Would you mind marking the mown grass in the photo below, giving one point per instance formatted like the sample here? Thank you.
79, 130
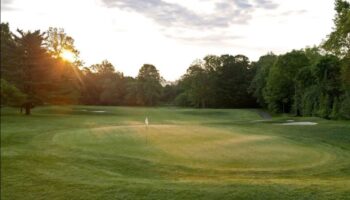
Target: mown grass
73, 152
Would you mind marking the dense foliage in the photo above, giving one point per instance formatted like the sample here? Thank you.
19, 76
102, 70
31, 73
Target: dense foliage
302, 84
28, 65
217, 82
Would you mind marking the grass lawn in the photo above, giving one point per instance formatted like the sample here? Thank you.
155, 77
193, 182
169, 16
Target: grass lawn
85, 152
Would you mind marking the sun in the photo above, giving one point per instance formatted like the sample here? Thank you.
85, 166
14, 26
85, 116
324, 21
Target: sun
68, 56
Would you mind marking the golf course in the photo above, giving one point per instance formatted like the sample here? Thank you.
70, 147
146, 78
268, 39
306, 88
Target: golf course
97, 152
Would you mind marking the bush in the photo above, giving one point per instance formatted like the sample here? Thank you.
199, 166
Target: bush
10, 95
182, 100
345, 108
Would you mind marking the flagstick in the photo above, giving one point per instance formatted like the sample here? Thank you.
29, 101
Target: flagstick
146, 122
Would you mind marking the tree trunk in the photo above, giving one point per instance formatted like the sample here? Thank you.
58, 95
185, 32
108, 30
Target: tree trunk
28, 106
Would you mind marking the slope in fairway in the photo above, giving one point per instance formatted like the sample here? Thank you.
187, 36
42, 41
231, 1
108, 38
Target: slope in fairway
79, 153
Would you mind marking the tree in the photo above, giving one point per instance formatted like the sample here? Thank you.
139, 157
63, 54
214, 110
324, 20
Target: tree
66, 81
149, 85
345, 104
90, 90
113, 89
217, 81
169, 93
338, 42
28, 65
328, 78
58, 42
258, 83
102, 85
234, 78
33, 69
306, 99
314, 54
10, 95
8, 52
196, 82
281, 88
132, 92
104, 69
212, 65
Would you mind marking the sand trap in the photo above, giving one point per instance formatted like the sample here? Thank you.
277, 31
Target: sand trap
298, 123
94, 111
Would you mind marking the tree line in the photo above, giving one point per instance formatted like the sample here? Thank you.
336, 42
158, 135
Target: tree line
308, 82
35, 72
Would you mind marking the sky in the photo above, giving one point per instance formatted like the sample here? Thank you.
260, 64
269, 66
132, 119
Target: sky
171, 34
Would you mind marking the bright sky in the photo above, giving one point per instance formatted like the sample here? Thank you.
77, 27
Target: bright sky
171, 34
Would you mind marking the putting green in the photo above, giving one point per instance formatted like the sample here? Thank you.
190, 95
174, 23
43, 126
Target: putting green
196, 147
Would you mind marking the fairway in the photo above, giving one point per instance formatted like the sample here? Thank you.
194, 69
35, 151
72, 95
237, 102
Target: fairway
87, 152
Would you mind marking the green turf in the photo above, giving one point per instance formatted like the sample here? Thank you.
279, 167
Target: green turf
75, 153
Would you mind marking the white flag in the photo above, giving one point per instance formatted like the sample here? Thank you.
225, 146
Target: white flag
146, 121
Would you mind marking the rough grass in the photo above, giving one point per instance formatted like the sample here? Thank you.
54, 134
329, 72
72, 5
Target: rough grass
73, 153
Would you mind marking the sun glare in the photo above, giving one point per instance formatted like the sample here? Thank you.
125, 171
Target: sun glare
68, 55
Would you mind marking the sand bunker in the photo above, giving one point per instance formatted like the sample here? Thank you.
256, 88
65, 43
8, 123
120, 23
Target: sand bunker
298, 123
94, 111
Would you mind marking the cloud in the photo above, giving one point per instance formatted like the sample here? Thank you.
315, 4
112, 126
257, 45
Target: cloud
6, 5
243, 4
266, 4
167, 14
192, 25
211, 39
293, 12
